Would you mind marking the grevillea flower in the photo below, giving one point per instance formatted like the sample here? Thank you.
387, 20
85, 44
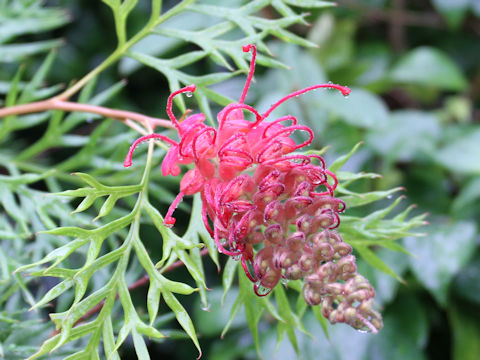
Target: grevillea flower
270, 208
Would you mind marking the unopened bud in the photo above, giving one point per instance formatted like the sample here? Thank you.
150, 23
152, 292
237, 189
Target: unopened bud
294, 272
296, 241
311, 295
274, 234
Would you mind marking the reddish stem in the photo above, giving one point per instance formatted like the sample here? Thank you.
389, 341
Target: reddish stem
128, 158
189, 88
247, 48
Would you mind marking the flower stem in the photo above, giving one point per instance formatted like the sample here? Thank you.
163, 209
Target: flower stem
55, 104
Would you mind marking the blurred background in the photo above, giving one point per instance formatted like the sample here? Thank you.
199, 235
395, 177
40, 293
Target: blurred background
414, 70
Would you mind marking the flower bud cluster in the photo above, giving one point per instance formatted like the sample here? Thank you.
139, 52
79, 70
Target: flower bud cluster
265, 205
278, 208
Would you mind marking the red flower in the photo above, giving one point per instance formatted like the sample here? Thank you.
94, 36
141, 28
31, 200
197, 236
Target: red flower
256, 190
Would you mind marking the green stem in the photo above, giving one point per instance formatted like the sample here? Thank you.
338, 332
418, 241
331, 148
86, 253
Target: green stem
122, 49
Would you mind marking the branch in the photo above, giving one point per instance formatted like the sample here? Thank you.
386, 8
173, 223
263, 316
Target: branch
140, 282
55, 104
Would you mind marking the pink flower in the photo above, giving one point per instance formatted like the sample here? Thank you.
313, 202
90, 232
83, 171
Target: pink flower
256, 190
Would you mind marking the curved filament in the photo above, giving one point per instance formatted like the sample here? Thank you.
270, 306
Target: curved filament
280, 119
247, 48
197, 136
343, 89
128, 158
186, 138
247, 270
220, 246
205, 220
292, 129
334, 177
305, 160
189, 88
248, 159
229, 108
319, 158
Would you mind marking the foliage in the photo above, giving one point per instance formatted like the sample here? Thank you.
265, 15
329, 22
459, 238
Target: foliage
73, 242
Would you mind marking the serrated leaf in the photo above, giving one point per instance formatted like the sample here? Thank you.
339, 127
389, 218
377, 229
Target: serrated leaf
369, 197
228, 276
15, 52
182, 317
341, 160
54, 292
370, 257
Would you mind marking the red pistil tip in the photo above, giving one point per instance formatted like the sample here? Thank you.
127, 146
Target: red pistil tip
169, 221
127, 163
191, 88
345, 90
247, 48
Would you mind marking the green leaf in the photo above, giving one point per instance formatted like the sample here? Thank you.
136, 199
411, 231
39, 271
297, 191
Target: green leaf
429, 67
15, 52
310, 3
441, 254
341, 160
466, 332
454, 11
408, 316
408, 135
32, 23
467, 283
182, 317
370, 257
369, 197
317, 311
228, 276
461, 155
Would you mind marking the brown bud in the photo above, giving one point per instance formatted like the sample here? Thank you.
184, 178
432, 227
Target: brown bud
342, 249
255, 236
311, 295
284, 258
294, 272
334, 288
323, 252
270, 278
303, 189
304, 223
306, 262
296, 241
346, 265
274, 211
274, 234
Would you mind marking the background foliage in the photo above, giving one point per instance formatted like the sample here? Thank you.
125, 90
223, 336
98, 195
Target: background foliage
413, 69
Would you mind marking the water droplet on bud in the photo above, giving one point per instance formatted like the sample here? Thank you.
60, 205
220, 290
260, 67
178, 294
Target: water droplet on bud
262, 290
189, 94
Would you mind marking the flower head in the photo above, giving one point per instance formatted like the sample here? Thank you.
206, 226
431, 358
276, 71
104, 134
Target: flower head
256, 191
